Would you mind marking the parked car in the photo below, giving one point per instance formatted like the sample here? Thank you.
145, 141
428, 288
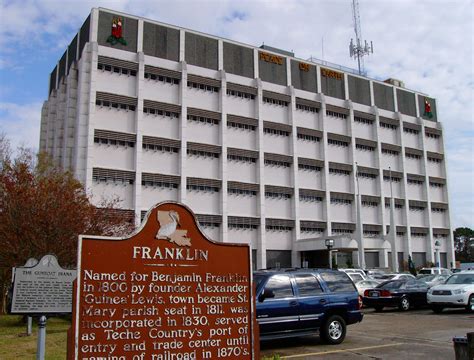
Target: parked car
349, 271
405, 277
366, 284
396, 293
435, 270
457, 291
301, 302
432, 280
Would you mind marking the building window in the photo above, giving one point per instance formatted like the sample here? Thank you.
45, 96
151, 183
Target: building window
308, 137
390, 152
203, 87
338, 143
397, 206
418, 234
432, 136
114, 142
241, 158
307, 108
309, 167
339, 172
207, 224
363, 120
435, 160
203, 120
202, 153
310, 198
337, 201
366, 175
311, 230
279, 196
416, 208
370, 203
244, 192
115, 105
400, 233
436, 185
151, 111
116, 70
243, 226
336, 114
371, 233
277, 163
438, 210
415, 182
162, 78
410, 131
388, 126
163, 148
240, 94
204, 188
275, 101
276, 132
342, 231
394, 179
114, 179
241, 126
278, 228
160, 184
412, 156
365, 147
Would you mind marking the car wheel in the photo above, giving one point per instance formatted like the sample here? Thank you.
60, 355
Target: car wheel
378, 308
470, 303
334, 330
437, 309
404, 304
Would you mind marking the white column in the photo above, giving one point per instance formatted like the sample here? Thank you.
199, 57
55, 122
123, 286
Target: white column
325, 170
223, 158
183, 86
295, 256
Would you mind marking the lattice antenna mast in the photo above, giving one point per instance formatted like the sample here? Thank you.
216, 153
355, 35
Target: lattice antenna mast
358, 50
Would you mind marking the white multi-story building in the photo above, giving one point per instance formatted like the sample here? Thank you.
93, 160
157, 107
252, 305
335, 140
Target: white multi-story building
265, 148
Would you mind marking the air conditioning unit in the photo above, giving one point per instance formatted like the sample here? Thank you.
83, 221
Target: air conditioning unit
395, 82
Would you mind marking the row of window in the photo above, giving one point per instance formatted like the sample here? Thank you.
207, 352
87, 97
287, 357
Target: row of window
202, 153
308, 137
207, 88
169, 114
273, 195
241, 126
337, 201
432, 136
115, 180
363, 120
338, 143
412, 156
163, 148
371, 233
397, 206
277, 163
387, 126
390, 152
160, 184
204, 188
307, 108
116, 69
336, 114
339, 172
241, 158
162, 78
416, 208
274, 101
115, 105
278, 228
410, 131
240, 94
312, 230
370, 203
203, 119
367, 175
276, 132
309, 167
415, 182
310, 198
104, 141
243, 226
365, 147
435, 160
242, 192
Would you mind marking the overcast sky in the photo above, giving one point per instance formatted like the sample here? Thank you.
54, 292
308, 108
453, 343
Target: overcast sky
428, 44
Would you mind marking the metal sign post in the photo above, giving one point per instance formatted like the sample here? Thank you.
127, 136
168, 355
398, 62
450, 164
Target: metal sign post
29, 326
41, 338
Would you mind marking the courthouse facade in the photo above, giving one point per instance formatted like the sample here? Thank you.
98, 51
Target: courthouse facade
267, 149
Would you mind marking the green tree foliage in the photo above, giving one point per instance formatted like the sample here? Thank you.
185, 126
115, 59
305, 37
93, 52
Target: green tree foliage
43, 209
464, 244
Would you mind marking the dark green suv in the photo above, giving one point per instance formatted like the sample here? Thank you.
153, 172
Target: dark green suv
299, 302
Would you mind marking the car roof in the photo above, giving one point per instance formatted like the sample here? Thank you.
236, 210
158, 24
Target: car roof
292, 270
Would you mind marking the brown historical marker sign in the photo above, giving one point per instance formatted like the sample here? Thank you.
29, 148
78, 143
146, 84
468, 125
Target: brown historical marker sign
165, 293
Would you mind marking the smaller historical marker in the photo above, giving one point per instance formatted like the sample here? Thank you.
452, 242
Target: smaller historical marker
45, 288
166, 292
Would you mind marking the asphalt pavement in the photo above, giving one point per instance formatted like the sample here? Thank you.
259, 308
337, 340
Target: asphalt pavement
390, 334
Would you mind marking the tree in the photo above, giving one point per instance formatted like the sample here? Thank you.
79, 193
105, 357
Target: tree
464, 244
43, 209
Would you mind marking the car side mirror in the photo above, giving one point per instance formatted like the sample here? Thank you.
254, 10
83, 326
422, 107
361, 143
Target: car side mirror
266, 294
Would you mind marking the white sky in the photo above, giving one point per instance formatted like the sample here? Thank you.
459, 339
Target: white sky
428, 44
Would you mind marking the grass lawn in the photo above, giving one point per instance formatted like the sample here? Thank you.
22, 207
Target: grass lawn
14, 345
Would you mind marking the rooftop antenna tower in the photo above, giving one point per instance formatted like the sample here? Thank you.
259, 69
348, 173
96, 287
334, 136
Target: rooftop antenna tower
359, 49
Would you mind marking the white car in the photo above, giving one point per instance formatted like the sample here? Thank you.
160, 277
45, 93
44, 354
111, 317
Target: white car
366, 284
457, 291
406, 277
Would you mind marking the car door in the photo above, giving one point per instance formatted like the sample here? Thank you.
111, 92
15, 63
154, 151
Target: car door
312, 301
277, 305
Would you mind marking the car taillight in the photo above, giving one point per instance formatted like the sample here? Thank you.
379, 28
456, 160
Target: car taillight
360, 302
385, 293
366, 293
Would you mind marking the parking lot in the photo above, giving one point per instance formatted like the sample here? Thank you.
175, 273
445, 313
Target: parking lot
390, 334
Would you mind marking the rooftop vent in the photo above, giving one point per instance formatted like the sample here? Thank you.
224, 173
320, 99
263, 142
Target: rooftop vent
279, 51
395, 82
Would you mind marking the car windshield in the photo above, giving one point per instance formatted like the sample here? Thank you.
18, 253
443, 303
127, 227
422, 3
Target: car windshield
461, 279
257, 278
391, 285
355, 277
428, 278
425, 271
